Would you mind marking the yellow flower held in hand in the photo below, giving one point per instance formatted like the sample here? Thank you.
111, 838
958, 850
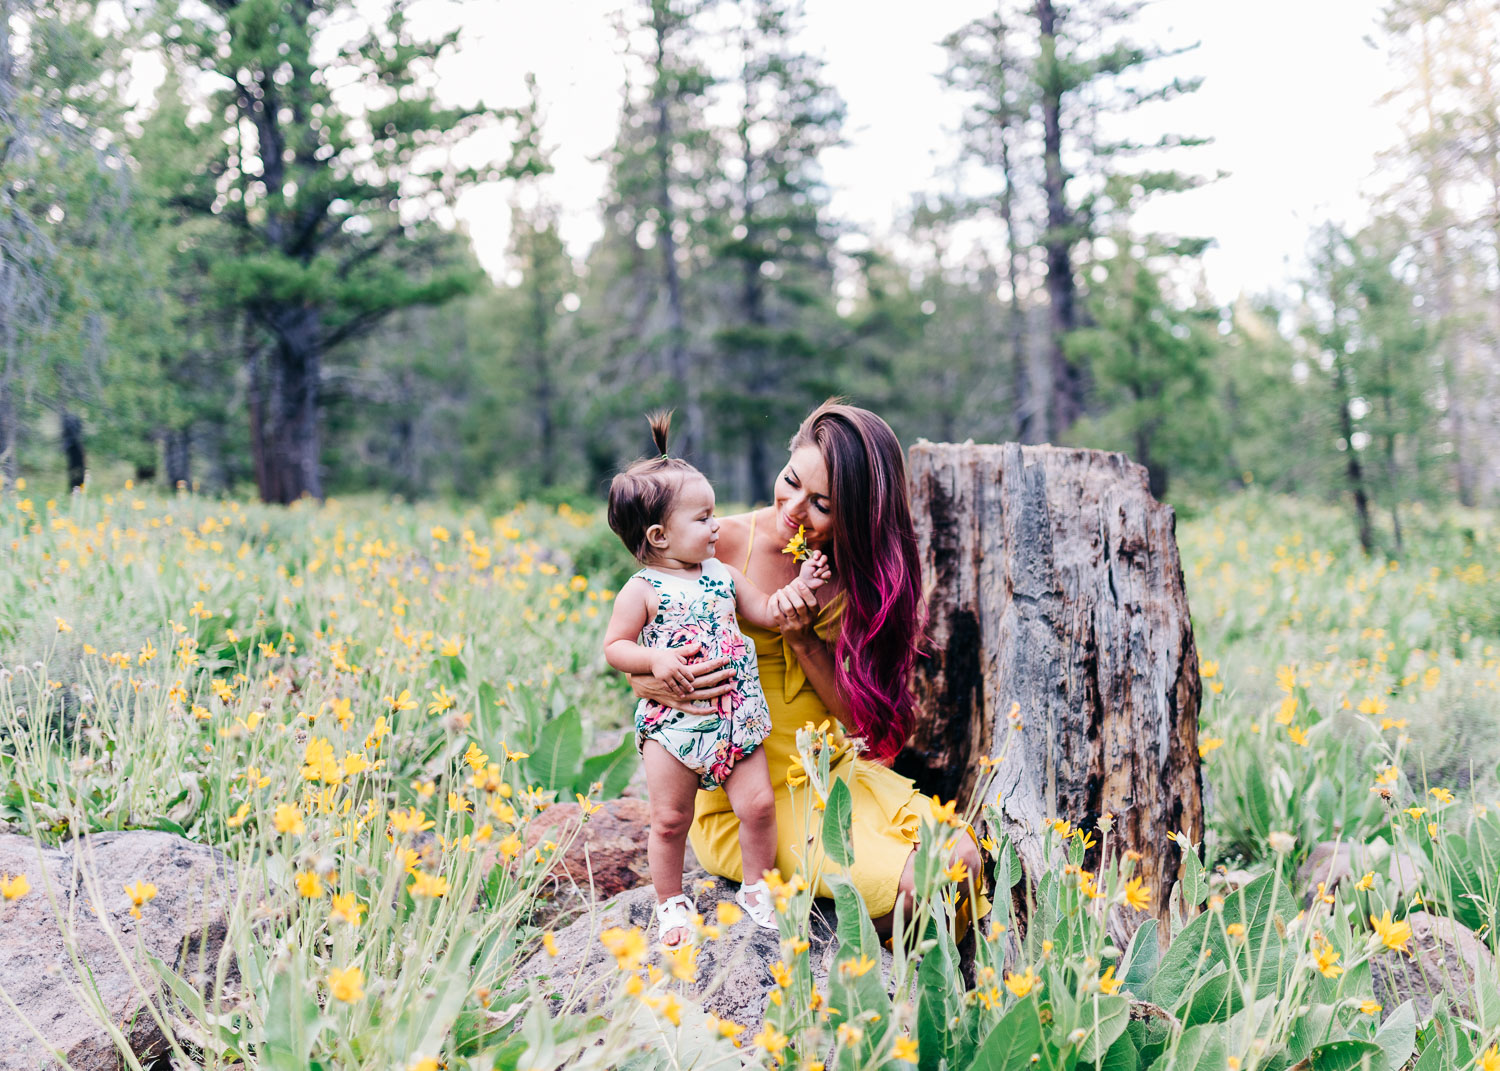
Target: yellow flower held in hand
797, 546
347, 985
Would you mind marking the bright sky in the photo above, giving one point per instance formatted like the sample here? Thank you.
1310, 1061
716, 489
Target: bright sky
1290, 97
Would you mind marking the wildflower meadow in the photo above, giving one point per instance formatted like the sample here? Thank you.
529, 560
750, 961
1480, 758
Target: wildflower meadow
365, 705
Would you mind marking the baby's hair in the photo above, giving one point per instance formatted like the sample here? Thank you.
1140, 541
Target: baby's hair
643, 494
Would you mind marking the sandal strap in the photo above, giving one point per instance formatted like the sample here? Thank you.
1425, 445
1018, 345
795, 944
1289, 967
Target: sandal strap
675, 910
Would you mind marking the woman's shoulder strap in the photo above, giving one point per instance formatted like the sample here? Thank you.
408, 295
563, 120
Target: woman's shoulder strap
750, 543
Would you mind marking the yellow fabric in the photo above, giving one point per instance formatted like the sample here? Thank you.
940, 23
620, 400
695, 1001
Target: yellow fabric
887, 807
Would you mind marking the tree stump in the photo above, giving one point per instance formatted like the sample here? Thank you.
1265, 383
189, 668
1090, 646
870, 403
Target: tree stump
1053, 581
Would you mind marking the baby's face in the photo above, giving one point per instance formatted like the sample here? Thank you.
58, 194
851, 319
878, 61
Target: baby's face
692, 529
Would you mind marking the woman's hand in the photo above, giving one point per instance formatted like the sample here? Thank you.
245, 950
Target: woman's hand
794, 609
711, 679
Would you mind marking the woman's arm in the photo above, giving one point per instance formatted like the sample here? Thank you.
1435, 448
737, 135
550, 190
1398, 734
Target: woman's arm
795, 613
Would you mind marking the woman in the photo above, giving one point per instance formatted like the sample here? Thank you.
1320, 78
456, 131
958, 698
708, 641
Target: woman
844, 487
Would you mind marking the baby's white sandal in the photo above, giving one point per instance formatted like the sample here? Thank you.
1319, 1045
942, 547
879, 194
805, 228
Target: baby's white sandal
761, 910
674, 913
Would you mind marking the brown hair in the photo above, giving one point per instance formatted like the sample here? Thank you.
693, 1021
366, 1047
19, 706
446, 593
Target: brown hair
875, 555
643, 494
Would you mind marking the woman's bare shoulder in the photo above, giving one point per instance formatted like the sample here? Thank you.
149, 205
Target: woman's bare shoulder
734, 538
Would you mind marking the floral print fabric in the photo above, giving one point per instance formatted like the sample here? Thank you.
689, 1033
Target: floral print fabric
701, 609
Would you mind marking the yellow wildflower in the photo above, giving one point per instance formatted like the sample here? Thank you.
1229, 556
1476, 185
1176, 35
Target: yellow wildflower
346, 909
627, 946
1137, 894
309, 884
1021, 984
139, 893
288, 819
1392, 934
13, 888
346, 985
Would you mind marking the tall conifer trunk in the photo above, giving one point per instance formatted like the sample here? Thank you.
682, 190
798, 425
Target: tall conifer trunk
72, 444
1062, 316
292, 440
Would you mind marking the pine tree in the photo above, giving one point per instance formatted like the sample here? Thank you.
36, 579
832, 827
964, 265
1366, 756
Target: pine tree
1063, 71
778, 302
333, 200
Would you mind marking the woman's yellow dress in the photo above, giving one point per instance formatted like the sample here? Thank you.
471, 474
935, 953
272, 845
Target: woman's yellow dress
887, 809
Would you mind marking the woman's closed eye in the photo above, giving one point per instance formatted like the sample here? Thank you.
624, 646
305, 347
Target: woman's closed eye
820, 507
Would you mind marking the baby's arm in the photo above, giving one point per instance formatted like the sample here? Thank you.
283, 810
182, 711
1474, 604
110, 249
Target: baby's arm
622, 649
754, 605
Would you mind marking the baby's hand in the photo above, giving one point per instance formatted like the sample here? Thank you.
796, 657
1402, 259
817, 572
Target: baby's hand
670, 668
815, 571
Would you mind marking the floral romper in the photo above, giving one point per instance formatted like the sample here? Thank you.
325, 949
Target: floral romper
702, 609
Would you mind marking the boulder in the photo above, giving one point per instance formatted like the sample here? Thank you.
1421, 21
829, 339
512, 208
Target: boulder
1443, 957
606, 857
1330, 862
733, 970
185, 920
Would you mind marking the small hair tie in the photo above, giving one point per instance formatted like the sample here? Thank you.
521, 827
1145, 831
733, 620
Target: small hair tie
664, 457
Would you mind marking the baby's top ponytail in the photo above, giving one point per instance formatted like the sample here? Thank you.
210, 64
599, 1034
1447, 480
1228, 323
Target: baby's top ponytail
661, 427
643, 494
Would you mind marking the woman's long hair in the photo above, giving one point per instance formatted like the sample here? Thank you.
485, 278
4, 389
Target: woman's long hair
875, 555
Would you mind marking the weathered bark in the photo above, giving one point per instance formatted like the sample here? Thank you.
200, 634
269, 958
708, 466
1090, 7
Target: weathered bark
72, 444
1352, 467
1053, 581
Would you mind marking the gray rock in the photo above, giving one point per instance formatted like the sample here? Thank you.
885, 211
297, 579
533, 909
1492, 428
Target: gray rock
1333, 861
1446, 957
186, 919
733, 970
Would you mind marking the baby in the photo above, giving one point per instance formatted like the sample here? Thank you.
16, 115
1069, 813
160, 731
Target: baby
662, 508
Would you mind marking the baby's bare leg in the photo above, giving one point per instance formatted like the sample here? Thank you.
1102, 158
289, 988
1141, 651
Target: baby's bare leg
749, 789
672, 789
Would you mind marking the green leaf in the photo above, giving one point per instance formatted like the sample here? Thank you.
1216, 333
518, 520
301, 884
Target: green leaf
1194, 884
1012, 1042
1344, 1056
937, 1001
557, 756
1397, 1037
837, 844
1214, 1000
1141, 960
1105, 1018
1201, 1048
1257, 800
1122, 1056
612, 770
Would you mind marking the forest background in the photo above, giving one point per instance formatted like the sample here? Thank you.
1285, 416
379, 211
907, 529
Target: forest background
255, 275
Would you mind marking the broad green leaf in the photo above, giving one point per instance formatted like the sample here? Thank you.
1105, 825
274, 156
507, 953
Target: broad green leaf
1397, 1037
556, 758
1141, 959
837, 844
1122, 1056
1344, 1056
1105, 1018
613, 769
1201, 1048
1194, 884
937, 1000
1012, 1042
1213, 1000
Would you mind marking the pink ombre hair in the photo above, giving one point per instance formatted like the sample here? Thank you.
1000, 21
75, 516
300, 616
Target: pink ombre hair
874, 553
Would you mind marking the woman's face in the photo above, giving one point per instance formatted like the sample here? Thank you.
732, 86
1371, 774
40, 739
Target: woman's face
802, 497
